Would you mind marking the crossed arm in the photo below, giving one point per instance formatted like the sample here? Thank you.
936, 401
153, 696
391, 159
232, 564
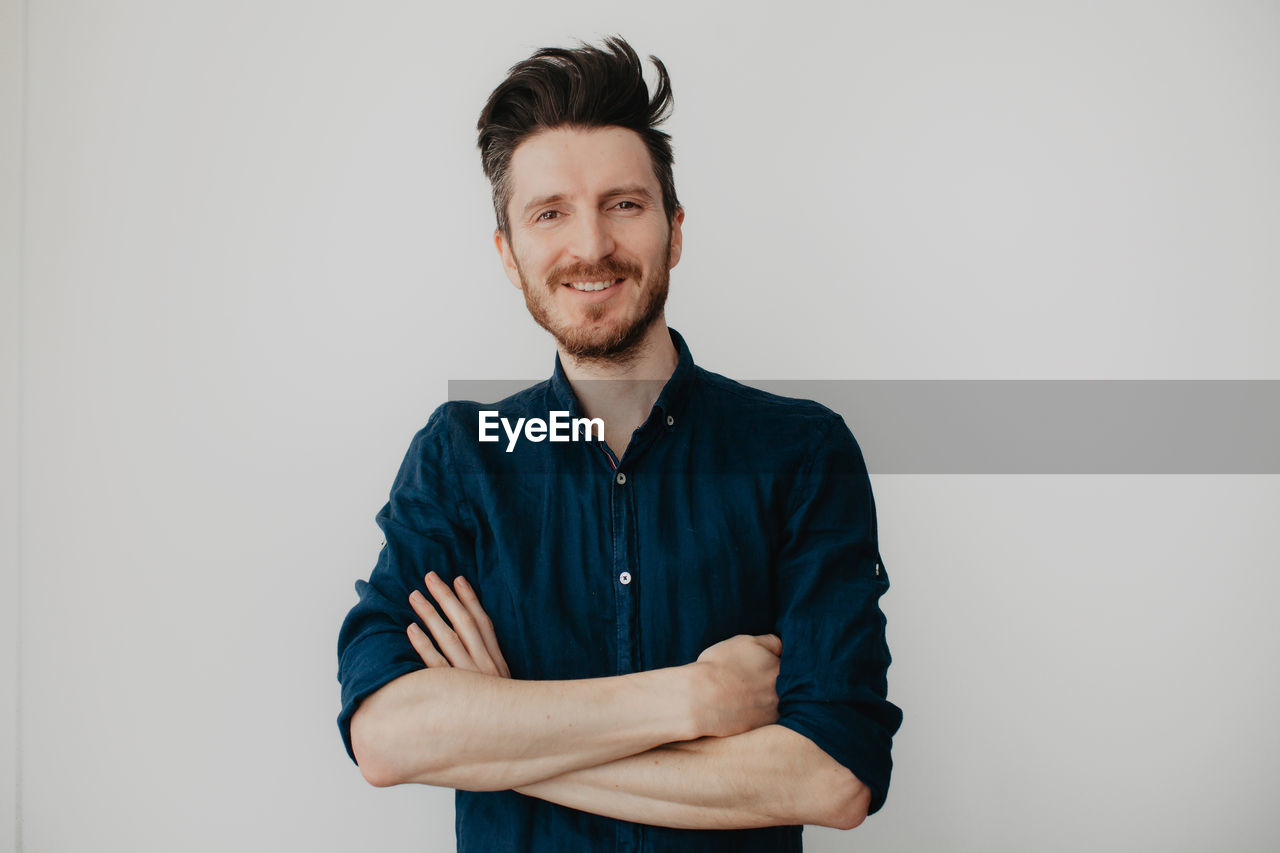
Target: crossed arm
760, 774
770, 776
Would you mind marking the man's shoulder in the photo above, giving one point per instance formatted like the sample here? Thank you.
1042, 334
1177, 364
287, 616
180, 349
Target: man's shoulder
780, 431
761, 408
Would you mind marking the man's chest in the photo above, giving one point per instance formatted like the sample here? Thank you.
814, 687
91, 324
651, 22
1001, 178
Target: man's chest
599, 575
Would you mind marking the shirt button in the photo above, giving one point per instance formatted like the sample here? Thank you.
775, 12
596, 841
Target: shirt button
622, 479
624, 578
671, 421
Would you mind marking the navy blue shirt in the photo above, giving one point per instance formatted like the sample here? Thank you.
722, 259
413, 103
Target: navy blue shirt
732, 511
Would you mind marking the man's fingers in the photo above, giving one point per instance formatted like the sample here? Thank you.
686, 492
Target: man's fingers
468, 597
422, 645
772, 642
463, 623
444, 636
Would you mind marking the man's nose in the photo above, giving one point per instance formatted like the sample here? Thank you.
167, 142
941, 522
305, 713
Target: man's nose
591, 239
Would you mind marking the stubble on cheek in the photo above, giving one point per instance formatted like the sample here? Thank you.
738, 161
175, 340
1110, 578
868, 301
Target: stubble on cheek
586, 336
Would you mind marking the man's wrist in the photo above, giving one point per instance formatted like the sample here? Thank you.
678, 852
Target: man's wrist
678, 693
693, 688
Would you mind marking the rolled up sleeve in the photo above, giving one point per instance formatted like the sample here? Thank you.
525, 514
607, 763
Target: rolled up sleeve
424, 531
832, 686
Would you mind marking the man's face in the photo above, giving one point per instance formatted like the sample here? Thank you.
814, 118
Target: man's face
590, 244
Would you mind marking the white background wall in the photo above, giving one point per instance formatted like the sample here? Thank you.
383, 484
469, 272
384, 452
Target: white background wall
254, 244
11, 61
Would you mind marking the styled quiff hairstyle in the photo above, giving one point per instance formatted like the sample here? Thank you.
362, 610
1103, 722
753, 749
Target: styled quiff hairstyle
581, 88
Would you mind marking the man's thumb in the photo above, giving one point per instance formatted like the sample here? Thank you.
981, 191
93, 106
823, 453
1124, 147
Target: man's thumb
772, 642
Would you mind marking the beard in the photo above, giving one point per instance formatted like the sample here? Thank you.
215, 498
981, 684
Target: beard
593, 340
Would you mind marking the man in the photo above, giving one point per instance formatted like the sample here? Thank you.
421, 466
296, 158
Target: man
668, 639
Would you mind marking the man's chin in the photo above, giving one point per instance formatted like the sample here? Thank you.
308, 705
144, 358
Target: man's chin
592, 347
602, 343
603, 333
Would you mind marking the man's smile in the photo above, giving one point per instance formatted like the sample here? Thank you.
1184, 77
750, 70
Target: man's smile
591, 286
592, 292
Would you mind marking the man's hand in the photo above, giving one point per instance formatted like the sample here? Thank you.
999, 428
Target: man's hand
739, 688
470, 644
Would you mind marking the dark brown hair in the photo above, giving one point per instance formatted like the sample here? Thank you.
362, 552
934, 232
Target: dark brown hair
582, 87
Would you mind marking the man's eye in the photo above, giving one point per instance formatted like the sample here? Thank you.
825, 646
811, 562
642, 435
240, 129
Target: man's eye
632, 203
548, 215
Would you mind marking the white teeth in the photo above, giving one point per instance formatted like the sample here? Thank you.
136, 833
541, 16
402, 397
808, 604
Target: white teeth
589, 286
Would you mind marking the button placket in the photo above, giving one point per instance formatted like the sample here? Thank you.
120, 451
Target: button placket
624, 567
624, 578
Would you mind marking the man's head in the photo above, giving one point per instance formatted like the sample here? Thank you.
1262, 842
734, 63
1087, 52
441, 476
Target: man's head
584, 195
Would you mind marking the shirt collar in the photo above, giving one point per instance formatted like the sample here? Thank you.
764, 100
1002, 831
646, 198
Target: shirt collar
672, 399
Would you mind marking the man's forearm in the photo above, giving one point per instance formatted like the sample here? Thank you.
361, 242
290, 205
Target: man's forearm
770, 776
463, 729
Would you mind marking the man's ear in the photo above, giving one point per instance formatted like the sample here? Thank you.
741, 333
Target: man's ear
503, 246
677, 238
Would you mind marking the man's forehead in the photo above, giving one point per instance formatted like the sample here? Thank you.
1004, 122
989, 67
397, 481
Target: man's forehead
571, 161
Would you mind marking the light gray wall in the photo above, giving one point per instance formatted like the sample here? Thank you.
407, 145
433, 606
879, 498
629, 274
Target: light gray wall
257, 245
11, 105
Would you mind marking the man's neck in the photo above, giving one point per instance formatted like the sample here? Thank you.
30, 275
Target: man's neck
623, 394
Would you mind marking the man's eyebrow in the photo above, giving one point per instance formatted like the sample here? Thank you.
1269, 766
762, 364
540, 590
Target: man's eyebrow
541, 200
637, 190
633, 189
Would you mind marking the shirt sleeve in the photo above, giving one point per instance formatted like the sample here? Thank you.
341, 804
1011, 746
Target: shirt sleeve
832, 683
423, 529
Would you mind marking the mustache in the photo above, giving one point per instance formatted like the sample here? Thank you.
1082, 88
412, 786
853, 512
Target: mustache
606, 270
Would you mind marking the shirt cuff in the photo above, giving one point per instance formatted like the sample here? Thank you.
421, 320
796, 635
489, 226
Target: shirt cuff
367, 665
